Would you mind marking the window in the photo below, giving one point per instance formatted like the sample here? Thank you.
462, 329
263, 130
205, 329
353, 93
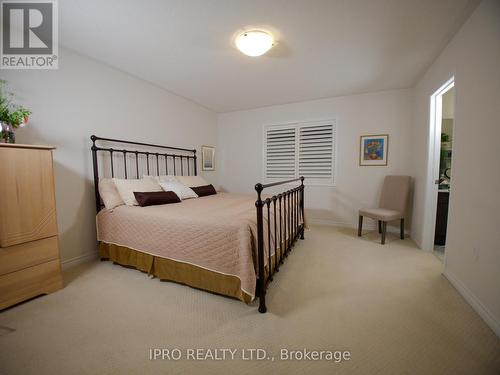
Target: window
301, 149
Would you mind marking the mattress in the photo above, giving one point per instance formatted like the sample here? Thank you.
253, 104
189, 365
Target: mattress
217, 233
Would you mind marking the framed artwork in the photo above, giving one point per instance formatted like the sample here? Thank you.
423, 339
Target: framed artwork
373, 149
207, 158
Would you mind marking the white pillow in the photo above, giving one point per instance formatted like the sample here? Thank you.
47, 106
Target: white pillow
181, 190
167, 178
109, 194
161, 178
126, 188
192, 181
154, 178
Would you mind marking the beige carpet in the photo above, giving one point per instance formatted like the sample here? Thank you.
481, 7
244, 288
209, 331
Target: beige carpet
388, 305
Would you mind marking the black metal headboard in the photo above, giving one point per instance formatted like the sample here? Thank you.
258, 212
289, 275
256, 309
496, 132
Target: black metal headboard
133, 163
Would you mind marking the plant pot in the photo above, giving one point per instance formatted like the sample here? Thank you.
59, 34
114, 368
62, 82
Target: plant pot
7, 134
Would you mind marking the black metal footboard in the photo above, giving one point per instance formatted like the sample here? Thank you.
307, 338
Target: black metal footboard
284, 214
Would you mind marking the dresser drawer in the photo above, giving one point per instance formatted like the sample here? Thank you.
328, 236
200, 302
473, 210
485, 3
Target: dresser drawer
18, 257
30, 282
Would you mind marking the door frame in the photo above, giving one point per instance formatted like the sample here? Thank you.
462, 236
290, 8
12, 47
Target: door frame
434, 149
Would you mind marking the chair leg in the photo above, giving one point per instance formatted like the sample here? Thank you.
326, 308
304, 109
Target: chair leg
402, 229
360, 225
384, 229
379, 226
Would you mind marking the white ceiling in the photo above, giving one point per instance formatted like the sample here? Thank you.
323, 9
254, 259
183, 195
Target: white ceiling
326, 48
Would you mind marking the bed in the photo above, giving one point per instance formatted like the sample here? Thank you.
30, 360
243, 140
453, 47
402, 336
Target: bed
230, 244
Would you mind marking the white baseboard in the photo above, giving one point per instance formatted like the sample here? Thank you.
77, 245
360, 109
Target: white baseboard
79, 259
482, 311
332, 223
344, 224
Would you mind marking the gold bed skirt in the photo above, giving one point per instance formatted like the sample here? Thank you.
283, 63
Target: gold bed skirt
171, 270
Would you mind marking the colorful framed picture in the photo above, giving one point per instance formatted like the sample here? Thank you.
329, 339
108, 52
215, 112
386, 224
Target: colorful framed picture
373, 149
207, 158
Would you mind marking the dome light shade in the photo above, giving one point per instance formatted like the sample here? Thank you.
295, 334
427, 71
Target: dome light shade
254, 43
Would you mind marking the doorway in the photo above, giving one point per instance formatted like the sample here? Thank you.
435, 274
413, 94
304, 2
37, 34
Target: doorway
442, 115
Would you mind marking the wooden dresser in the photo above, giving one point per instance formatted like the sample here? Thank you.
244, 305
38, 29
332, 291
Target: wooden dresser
29, 246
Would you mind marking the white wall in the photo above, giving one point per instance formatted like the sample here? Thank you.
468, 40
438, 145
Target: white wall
448, 104
473, 239
239, 141
85, 97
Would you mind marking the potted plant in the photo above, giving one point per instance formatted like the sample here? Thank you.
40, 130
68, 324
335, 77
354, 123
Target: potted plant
445, 141
12, 116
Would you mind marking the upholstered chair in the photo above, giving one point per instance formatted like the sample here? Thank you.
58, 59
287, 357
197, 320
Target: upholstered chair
392, 206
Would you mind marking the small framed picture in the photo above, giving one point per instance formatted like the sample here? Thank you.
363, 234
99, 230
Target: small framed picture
373, 149
207, 158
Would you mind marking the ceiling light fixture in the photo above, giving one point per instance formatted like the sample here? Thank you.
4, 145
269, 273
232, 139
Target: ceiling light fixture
255, 42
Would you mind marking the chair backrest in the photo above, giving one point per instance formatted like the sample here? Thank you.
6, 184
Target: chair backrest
395, 193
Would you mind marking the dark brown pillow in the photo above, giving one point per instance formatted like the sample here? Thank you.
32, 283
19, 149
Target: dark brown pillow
203, 191
152, 198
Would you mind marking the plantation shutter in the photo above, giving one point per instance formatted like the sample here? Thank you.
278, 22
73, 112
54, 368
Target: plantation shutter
280, 153
316, 151
303, 149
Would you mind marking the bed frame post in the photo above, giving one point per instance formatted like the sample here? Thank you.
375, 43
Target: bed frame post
260, 250
301, 204
96, 174
195, 163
